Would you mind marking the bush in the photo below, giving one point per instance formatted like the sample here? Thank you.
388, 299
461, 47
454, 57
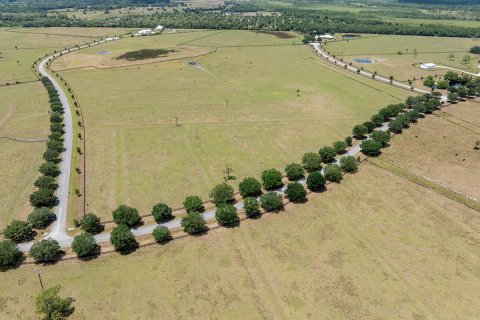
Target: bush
452, 97
52, 306
382, 137
369, 125
91, 223
370, 147
19, 231
49, 169
251, 207
316, 181
161, 212
395, 126
359, 131
46, 182
162, 234
10, 255
339, 146
333, 173
348, 141
84, 245
55, 145
41, 218
271, 179
327, 154
221, 194
194, 223
43, 198
250, 187
312, 161
226, 215
271, 201
51, 155
123, 239
349, 164
193, 204
294, 171
46, 250
127, 216
295, 192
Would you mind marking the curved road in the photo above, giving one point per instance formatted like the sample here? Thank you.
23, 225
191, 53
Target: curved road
58, 231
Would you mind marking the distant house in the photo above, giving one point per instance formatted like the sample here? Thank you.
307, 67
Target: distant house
144, 32
326, 36
159, 28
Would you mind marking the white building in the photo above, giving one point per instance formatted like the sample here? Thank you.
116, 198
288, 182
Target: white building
326, 36
159, 28
144, 32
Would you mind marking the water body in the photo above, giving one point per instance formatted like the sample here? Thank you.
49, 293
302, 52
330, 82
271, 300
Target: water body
351, 36
104, 52
363, 60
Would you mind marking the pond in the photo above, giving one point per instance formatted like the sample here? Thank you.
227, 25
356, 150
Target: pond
350, 36
363, 60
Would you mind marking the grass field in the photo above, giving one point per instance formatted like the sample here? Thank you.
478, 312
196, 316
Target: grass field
384, 50
137, 155
23, 114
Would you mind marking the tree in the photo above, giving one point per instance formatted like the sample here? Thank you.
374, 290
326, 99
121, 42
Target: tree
383, 137
339, 146
370, 147
250, 187
194, 223
452, 97
52, 306
410, 101
193, 204
161, 213
10, 254
271, 179
251, 207
221, 194
294, 171
84, 245
46, 250
377, 119
226, 215
46, 182
369, 125
56, 117
429, 82
349, 163
312, 161
127, 216
43, 198
348, 141
91, 223
442, 84
57, 127
162, 234
475, 49
359, 131
333, 173
51, 155
19, 231
395, 126
328, 154
55, 145
49, 169
41, 218
295, 192
316, 181
451, 77
271, 201
123, 239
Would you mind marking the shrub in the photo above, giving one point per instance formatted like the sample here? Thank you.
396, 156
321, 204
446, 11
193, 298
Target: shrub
359, 131
339, 146
251, 207
51, 155
46, 250
452, 97
84, 245
328, 154
395, 126
271, 201
10, 255
221, 194
316, 181
193, 204
43, 198
91, 223
123, 239
55, 145
382, 137
194, 223
348, 141
127, 216
333, 173
52, 306
250, 187
226, 215
349, 164
312, 161
294, 171
19, 231
41, 218
370, 147
161, 212
295, 192
162, 234
49, 169
271, 179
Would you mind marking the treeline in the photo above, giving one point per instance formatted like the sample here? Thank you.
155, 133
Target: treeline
443, 2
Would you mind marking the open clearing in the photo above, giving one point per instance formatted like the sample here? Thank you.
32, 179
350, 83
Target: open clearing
137, 155
385, 49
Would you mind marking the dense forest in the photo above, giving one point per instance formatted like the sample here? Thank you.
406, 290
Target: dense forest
13, 6
446, 2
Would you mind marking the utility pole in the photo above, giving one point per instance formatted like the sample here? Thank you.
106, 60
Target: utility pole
40, 279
